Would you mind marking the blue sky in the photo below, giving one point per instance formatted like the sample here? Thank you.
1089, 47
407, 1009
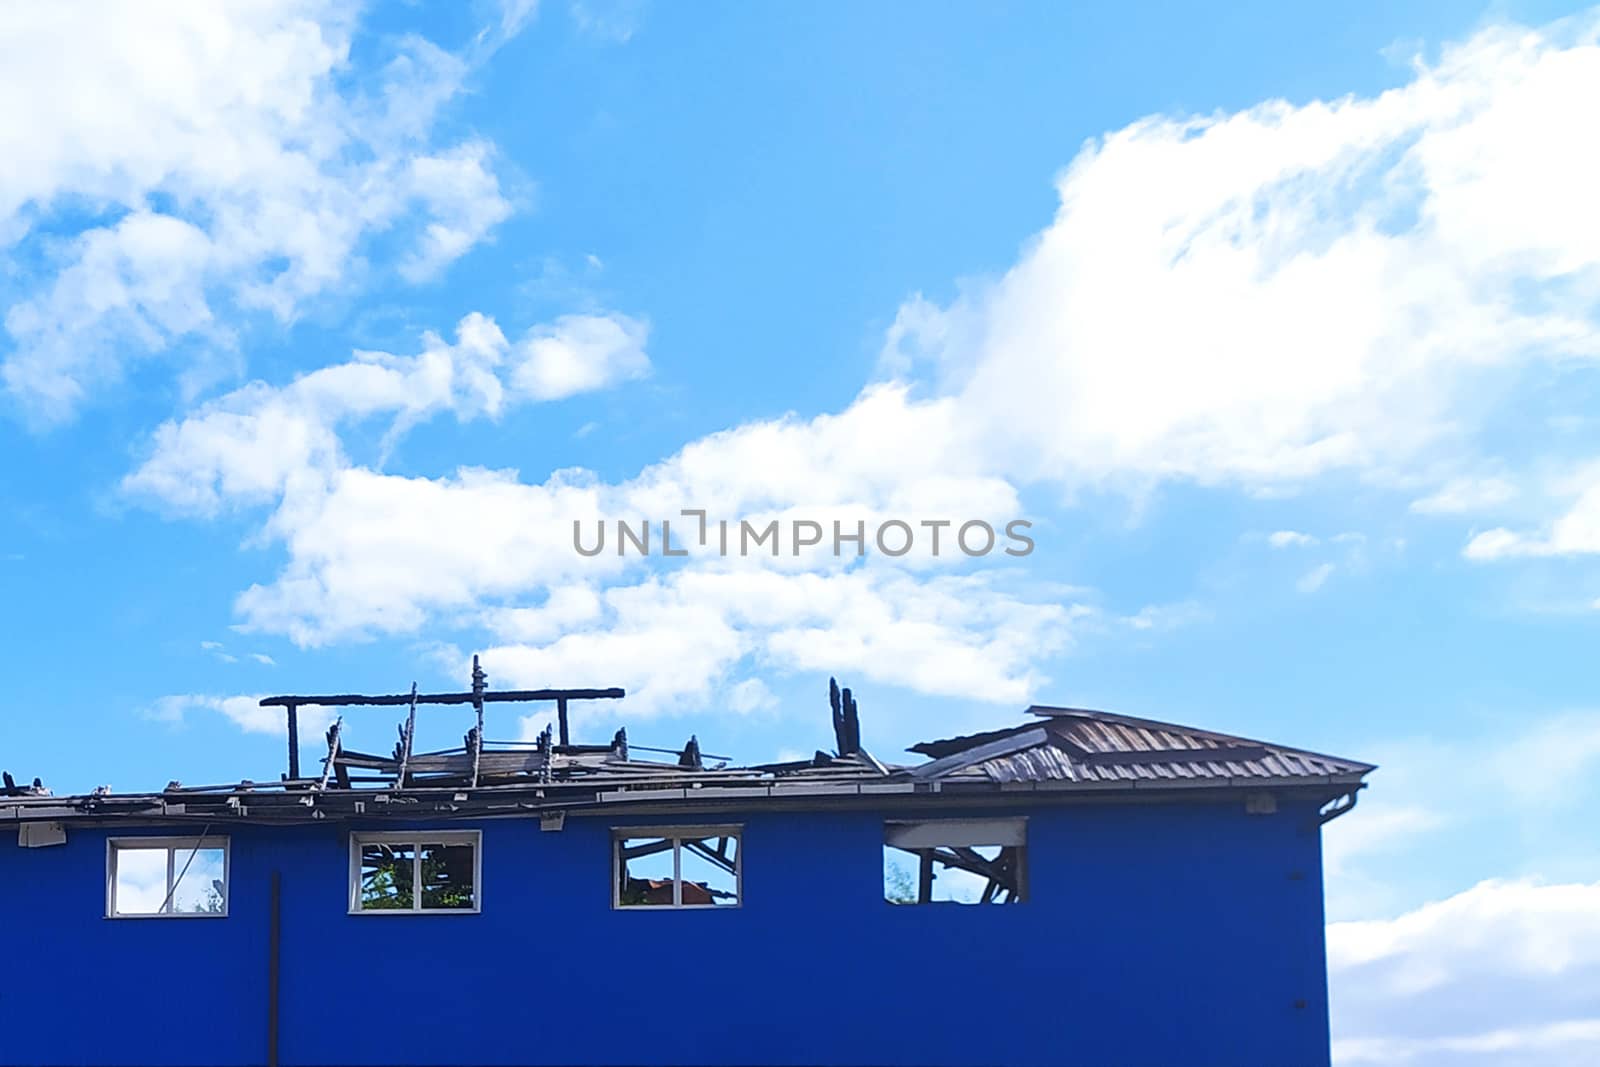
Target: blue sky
1280, 325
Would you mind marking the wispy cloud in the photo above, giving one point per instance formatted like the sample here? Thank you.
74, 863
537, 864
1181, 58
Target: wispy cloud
615, 21
245, 712
1314, 579
1290, 539
1466, 495
238, 164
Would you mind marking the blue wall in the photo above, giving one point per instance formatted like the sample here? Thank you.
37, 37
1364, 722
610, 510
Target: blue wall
1157, 935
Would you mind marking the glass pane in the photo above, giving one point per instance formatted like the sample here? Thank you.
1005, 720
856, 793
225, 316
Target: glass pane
386, 875
141, 881
199, 890
447, 876
644, 871
707, 866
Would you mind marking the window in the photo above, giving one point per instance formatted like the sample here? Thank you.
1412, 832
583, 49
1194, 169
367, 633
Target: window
962, 861
166, 877
430, 873
677, 867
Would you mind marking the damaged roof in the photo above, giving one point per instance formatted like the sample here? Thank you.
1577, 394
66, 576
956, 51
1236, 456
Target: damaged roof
1061, 752
1080, 745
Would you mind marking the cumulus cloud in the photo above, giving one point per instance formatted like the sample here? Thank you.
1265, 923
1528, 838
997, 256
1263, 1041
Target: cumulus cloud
207, 164
1257, 298
1574, 533
1525, 955
677, 637
1248, 299
260, 443
580, 353
361, 565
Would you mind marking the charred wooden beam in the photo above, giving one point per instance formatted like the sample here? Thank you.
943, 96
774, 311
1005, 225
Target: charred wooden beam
333, 755
546, 745
480, 682
397, 699
12, 789
294, 740
402, 751
846, 719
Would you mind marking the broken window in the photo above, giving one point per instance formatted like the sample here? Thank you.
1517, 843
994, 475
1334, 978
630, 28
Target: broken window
962, 861
410, 873
677, 868
167, 876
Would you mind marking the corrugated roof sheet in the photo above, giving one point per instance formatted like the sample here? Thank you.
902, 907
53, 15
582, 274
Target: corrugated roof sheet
1080, 745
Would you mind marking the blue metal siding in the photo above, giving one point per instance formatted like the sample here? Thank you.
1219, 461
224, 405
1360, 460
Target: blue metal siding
1153, 935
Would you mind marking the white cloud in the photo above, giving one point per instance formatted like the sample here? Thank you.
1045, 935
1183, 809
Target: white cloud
360, 563
1246, 299
516, 14
1577, 532
1525, 955
1375, 832
1465, 495
581, 353
1167, 616
209, 163
259, 442
245, 712
1564, 748
1521, 778
615, 21
673, 639
463, 198
368, 554
1314, 579
1290, 539
1259, 297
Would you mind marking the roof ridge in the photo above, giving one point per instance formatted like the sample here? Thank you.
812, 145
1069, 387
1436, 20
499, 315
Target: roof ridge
1053, 712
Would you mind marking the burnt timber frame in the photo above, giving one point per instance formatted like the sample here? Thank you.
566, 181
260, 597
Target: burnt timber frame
478, 696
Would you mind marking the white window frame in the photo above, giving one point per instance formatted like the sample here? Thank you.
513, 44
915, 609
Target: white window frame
417, 838
177, 849
677, 835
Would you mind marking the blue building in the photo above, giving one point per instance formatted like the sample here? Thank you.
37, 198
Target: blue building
1141, 894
